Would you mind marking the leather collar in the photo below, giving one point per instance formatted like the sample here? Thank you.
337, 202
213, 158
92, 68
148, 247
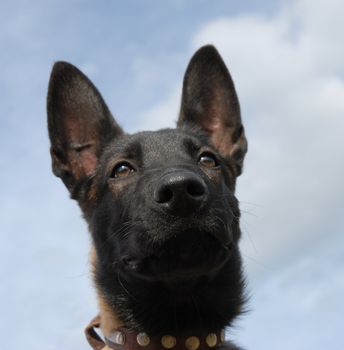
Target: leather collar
125, 339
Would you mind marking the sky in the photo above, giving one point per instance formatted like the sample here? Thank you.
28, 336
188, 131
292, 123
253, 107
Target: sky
286, 59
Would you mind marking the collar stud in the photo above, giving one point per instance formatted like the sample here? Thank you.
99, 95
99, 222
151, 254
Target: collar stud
168, 341
143, 339
211, 340
116, 337
192, 343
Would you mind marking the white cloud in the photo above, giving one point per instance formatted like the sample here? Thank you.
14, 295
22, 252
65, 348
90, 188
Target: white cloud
299, 306
163, 115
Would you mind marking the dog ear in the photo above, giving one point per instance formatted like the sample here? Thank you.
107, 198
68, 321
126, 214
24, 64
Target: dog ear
210, 101
79, 122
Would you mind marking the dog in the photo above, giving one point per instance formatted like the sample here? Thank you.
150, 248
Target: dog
160, 207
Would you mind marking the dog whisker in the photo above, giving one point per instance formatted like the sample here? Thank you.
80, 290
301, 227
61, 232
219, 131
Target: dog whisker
124, 288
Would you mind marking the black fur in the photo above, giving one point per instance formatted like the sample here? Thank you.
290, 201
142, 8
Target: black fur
166, 232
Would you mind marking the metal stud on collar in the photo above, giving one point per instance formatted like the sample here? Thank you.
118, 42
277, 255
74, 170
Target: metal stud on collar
223, 335
168, 341
116, 337
143, 339
211, 340
192, 343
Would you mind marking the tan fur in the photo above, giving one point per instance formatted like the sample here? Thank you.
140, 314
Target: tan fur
109, 321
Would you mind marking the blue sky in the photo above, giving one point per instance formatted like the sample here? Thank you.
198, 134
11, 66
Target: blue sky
286, 58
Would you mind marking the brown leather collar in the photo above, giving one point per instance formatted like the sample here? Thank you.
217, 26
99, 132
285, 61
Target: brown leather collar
124, 339
92, 336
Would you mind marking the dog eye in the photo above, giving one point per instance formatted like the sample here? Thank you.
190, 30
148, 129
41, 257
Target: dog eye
208, 160
122, 169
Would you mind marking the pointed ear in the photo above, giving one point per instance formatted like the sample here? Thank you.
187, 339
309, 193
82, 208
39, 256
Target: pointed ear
209, 100
79, 122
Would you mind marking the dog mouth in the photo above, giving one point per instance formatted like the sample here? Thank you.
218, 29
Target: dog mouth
183, 258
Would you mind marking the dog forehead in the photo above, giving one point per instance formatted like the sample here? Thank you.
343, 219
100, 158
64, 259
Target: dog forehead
165, 144
161, 142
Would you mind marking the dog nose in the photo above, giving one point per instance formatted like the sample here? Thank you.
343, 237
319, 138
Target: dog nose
181, 192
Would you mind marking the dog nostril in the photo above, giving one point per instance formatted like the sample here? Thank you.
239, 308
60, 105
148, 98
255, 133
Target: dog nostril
165, 195
195, 189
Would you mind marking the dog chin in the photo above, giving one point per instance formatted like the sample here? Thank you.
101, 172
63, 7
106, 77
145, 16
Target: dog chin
182, 260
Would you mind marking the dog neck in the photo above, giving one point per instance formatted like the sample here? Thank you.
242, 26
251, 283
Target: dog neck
119, 335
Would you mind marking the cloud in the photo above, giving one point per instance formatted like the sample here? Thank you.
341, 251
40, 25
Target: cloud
300, 305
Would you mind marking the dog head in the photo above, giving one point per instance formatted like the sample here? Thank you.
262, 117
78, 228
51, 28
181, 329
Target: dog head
160, 204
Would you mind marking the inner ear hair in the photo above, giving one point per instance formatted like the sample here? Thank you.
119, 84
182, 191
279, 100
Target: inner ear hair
80, 124
209, 100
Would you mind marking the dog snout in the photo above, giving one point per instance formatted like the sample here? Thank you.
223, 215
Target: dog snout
180, 192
